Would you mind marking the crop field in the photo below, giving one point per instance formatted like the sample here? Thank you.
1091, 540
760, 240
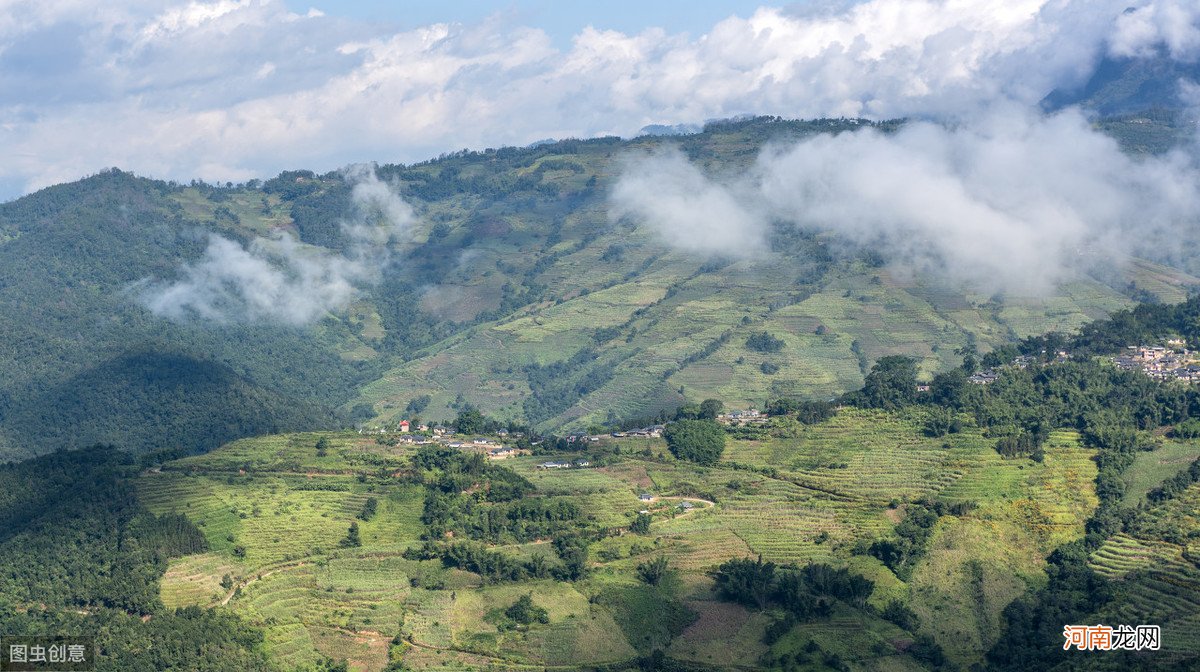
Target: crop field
1152, 567
665, 322
274, 514
1152, 468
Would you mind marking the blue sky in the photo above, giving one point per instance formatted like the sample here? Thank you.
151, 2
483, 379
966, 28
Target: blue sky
562, 20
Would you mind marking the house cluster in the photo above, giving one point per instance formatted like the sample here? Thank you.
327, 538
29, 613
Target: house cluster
750, 416
577, 464
648, 498
1170, 362
985, 377
989, 376
653, 431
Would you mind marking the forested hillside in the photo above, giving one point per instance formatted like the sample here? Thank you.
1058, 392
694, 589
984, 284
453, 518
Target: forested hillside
513, 291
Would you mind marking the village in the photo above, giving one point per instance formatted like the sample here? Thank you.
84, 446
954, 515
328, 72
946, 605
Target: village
1170, 362
991, 375
506, 444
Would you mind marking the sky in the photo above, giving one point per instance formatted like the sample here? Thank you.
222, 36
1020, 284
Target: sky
560, 20
229, 90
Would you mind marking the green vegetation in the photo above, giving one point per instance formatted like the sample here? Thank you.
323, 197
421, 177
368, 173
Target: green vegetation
762, 341
525, 612
700, 441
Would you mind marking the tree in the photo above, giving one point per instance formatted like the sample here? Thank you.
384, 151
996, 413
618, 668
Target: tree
940, 422
782, 406
711, 408
322, 447
653, 571
641, 524
699, 441
525, 612
352, 540
949, 389
747, 581
891, 384
469, 421
418, 404
814, 412
369, 507
762, 341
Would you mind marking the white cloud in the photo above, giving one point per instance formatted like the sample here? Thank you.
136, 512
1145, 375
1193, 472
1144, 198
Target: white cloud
685, 208
1009, 200
229, 89
278, 279
1142, 31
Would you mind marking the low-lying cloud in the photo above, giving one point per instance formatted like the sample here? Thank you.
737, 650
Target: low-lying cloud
279, 279
686, 208
1011, 200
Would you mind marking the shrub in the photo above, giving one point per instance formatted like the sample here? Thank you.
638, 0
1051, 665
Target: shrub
762, 341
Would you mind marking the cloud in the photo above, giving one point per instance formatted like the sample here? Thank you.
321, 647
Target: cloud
685, 208
1010, 200
230, 90
280, 280
1162, 25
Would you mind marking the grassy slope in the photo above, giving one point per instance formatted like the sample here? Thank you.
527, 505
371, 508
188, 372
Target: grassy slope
289, 509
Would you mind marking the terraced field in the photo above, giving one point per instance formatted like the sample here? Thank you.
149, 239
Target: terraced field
274, 514
1152, 468
679, 328
1155, 574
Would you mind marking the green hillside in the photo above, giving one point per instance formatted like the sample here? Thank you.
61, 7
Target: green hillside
514, 292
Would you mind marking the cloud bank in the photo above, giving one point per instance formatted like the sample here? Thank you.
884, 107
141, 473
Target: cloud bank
1011, 200
687, 209
228, 90
280, 280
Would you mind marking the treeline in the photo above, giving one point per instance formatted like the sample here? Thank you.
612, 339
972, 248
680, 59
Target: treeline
901, 553
556, 387
76, 334
806, 594
82, 539
159, 400
497, 567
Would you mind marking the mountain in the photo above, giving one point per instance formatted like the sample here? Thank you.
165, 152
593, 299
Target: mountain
1123, 86
1139, 101
513, 292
